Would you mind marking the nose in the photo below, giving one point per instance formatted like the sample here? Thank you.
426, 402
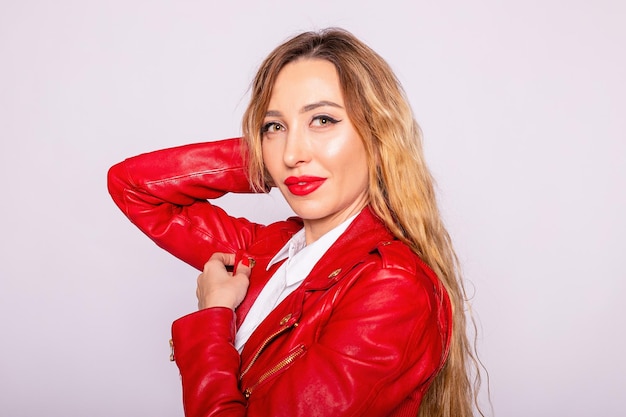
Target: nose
296, 150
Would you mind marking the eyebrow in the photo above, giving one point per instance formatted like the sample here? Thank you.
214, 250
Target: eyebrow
322, 103
307, 108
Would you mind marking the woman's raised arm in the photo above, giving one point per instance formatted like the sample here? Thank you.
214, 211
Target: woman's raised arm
164, 194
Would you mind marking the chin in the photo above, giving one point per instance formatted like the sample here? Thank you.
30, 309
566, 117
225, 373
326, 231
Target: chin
307, 214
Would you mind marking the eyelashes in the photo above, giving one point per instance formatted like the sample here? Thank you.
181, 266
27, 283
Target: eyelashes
271, 127
317, 121
323, 120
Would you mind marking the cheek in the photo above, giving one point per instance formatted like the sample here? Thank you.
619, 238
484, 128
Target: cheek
348, 152
359, 163
360, 171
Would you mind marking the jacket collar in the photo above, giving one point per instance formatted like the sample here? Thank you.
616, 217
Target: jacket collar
365, 233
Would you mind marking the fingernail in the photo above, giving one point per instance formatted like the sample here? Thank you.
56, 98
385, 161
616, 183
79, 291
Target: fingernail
249, 262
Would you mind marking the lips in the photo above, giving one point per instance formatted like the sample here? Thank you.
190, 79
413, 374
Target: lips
303, 185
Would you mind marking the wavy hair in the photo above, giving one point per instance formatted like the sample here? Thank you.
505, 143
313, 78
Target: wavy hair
401, 190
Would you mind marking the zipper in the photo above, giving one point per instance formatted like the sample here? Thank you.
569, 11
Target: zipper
274, 370
263, 346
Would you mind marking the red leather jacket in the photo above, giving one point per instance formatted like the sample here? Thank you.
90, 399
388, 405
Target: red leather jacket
363, 335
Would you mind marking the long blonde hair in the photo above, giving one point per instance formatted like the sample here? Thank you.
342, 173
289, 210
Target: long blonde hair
401, 190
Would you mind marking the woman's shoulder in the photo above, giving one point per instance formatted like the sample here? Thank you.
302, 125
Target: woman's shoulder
398, 259
289, 227
275, 235
396, 254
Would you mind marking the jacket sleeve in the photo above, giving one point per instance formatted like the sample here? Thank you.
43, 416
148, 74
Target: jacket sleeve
164, 194
209, 363
376, 355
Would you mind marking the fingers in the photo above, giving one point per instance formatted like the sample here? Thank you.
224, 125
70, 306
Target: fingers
217, 287
224, 259
221, 260
245, 266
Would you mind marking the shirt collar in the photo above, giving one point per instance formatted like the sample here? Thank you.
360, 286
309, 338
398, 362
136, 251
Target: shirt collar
298, 242
293, 246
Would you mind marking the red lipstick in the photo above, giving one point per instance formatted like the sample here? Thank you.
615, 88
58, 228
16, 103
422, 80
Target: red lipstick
303, 185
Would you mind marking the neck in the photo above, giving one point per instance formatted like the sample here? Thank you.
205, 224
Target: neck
314, 229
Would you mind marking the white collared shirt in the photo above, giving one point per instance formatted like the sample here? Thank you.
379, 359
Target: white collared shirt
300, 261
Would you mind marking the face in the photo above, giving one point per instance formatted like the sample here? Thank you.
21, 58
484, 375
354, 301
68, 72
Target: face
311, 149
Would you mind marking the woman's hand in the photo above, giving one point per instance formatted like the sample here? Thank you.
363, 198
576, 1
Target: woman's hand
217, 287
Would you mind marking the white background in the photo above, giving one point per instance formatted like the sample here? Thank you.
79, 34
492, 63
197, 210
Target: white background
523, 107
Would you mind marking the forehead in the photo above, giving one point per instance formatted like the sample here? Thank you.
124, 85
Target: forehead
307, 78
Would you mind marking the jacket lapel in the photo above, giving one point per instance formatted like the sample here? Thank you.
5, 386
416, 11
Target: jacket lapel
359, 239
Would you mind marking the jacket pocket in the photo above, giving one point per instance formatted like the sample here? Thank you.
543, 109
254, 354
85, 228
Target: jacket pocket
276, 369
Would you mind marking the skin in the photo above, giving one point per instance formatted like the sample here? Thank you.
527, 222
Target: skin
217, 287
307, 133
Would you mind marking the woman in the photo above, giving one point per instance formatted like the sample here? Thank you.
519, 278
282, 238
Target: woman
355, 307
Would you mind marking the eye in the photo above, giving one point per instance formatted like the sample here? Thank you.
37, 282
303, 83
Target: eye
271, 127
324, 121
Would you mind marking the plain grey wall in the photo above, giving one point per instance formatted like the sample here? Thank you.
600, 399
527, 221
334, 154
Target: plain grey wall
523, 107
